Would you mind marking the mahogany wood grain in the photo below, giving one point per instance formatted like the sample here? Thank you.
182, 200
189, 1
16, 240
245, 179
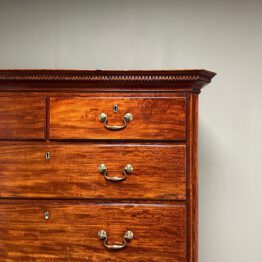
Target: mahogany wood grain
154, 118
70, 234
72, 172
192, 178
62, 93
22, 117
158, 201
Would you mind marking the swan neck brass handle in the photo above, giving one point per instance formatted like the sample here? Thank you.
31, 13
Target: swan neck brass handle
127, 170
128, 117
103, 236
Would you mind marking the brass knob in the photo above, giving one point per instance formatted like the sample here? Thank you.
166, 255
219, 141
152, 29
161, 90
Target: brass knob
102, 168
102, 117
128, 117
128, 168
102, 234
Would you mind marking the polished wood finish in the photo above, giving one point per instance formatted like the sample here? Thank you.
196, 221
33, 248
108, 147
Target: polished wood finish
158, 201
22, 117
192, 184
154, 118
72, 171
70, 234
103, 80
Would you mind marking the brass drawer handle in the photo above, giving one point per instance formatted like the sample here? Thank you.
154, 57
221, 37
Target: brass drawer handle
127, 170
126, 119
127, 236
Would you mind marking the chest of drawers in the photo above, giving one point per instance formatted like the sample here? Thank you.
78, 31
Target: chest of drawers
99, 165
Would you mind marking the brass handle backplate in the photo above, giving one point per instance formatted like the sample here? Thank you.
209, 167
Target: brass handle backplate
128, 117
127, 236
127, 170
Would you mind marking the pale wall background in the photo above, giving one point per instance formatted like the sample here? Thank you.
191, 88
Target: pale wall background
224, 36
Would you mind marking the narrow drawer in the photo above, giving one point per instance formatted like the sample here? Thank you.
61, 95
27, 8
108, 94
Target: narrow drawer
69, 231
145, 171
146, 118
22, 117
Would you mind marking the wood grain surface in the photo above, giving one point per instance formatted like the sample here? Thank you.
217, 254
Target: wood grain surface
22, 117
154, 118
70, 233
72, 172
158, 201
192, 178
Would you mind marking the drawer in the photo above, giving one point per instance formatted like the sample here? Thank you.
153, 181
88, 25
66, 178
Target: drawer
22, 117
159, 170
145, 118
69, 231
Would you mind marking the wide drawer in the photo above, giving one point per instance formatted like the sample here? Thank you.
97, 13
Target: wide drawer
146, 118
22, 117
68, 231
62, 170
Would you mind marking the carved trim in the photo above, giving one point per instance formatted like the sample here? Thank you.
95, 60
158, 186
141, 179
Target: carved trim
106, 76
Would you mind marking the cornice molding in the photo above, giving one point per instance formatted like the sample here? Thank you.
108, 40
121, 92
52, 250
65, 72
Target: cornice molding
107, 75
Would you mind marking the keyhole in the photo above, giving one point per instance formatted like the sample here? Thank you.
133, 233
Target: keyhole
46, 215
47, 156
115, 108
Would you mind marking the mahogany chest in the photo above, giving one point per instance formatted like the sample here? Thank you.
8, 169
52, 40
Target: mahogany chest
99, 165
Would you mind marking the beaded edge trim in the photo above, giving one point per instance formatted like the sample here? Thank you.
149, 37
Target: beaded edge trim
98, 78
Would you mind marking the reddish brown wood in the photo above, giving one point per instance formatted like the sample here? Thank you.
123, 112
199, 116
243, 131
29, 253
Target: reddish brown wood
70, 234
154, 118
22, 117
78, 94
192, 185
98, 80
159, 201
72, 171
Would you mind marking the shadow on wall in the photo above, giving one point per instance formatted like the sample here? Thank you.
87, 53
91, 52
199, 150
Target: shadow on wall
213, 187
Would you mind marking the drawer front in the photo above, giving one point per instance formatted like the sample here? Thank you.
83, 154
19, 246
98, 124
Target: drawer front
155, 118
22, 117
70, 232
159, 171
